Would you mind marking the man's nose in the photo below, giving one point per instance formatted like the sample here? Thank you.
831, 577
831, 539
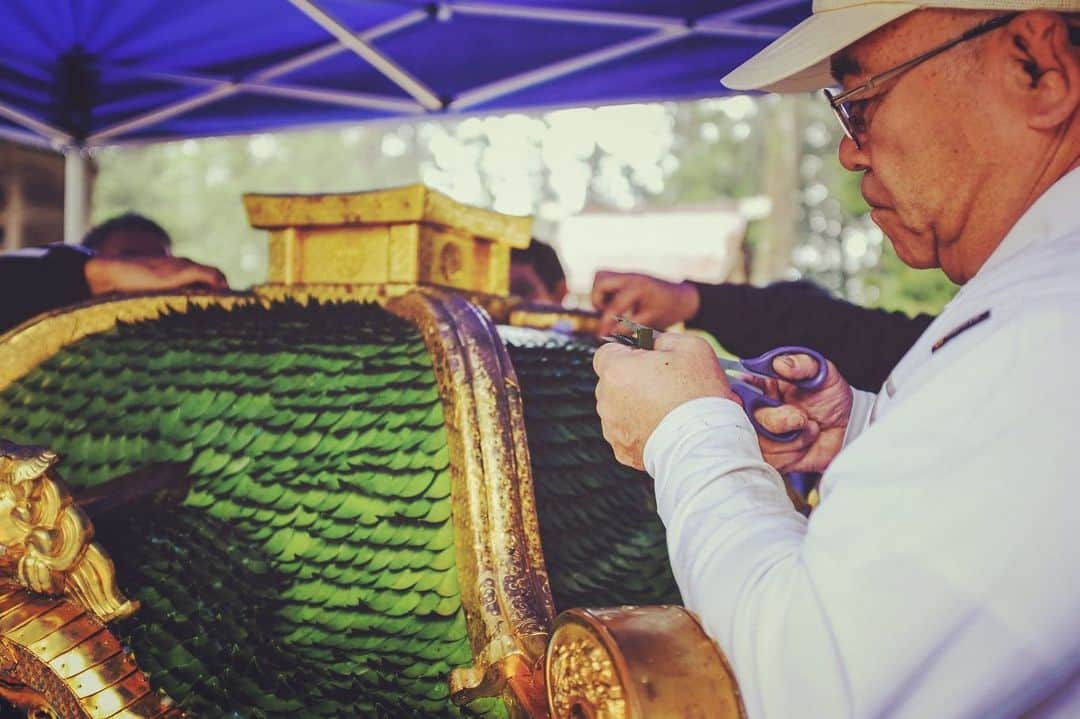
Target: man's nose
853, 158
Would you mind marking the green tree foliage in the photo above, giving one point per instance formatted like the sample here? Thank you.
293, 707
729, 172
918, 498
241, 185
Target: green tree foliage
894, 285
552, 165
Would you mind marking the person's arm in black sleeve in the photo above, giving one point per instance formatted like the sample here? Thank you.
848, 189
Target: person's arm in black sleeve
864, 344
36, 281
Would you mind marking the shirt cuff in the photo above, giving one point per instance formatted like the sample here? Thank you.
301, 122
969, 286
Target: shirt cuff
862, 405
716, 425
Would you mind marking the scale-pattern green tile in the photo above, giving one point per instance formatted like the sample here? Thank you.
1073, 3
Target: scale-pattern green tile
310, 570
603, 541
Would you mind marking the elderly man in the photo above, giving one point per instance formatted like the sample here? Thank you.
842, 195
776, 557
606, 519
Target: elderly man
938, 576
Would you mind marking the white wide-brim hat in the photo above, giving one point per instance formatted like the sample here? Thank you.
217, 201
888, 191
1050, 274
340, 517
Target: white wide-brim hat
798, 61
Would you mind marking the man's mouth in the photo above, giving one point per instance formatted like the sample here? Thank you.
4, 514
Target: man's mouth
873, 196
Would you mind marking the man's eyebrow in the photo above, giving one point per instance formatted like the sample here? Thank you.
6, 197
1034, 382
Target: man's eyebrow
843, 64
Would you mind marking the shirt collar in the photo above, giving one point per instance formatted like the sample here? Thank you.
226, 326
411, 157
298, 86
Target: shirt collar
1052, 216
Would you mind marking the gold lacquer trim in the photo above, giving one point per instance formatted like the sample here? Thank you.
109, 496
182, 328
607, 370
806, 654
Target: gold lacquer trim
28, 345
504, 584
45, 540
105, 683
325, 293
102, 676
582, 679
637, 663
96, 649
545, 317
65, 638
412, 203
48, 624
26, 611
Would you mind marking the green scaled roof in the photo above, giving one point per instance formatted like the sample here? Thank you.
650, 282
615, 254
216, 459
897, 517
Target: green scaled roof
310, 570
603, 541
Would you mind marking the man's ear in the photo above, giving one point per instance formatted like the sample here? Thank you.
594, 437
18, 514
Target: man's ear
1043, 68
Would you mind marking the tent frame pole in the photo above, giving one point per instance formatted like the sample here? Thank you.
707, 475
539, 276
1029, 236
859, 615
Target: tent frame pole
302, 92
53, 134
76, 206
257, 82
394, 72
726, 22
334, 97
162, 113
666, 30
578, 17
752, 9
496, 89
24, 137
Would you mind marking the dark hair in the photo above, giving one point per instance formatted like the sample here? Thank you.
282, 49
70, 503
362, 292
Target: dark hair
129, 221
544, 260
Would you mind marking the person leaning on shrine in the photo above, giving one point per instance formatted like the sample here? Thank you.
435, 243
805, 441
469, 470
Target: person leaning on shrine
126, 254
863, 343
128, 235
536, 274
938, 576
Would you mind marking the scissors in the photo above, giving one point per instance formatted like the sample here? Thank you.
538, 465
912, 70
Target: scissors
640, 336
754, 399
761, 366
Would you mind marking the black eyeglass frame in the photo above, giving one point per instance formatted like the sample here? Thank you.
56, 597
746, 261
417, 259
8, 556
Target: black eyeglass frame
839, 103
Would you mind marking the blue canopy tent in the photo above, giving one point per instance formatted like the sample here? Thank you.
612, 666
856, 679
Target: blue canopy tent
83, 73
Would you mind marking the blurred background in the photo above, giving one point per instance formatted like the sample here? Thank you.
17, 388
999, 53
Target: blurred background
734, 189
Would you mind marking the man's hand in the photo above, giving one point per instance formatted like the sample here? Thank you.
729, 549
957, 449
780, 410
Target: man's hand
637, 388
644, 299
822, 416
105, 275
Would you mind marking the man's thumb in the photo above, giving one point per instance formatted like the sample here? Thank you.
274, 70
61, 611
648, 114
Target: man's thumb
795, 366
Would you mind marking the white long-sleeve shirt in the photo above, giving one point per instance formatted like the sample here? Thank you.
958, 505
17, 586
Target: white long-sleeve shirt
940, 575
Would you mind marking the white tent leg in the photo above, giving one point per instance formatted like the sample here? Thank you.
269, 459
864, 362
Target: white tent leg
76, 207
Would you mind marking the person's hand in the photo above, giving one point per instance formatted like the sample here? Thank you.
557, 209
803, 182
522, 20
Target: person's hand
822, 416
105, 275
643, 299
637, 388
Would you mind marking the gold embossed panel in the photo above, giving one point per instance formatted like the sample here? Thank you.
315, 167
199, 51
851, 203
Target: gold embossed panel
59, 660
637, 663
410, 235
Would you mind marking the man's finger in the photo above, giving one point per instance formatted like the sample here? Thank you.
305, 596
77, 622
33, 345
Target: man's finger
623, 302
784, 418
209, 277
604, 284
607, 325
196, 274
795, 367
783, 454
606, 354
220, 281
768, 386
668, 341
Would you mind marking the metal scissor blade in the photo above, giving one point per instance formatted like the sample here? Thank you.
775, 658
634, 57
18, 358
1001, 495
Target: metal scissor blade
731, 365
735, 369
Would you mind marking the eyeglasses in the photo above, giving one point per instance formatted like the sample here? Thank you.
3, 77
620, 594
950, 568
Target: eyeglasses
849, 112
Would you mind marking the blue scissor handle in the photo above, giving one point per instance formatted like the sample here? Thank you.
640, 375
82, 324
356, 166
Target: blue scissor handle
753, 399
763, 365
